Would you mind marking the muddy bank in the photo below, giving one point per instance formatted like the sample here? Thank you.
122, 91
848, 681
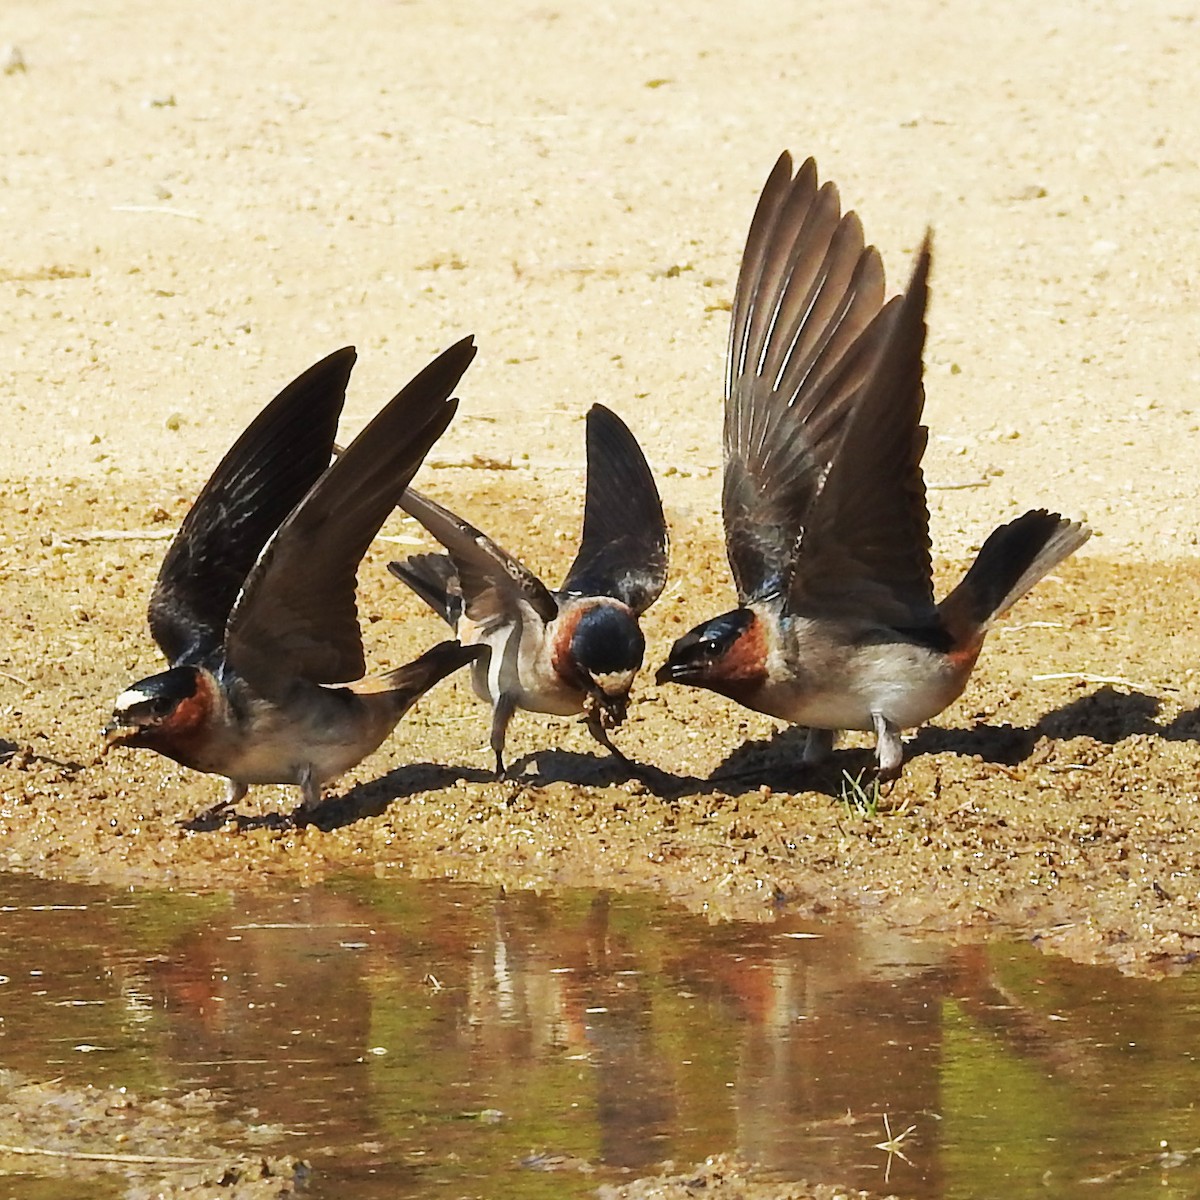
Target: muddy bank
1054, 801
724, 1178
113, 1142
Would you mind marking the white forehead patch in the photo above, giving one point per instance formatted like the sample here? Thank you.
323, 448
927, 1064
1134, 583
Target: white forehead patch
130, 697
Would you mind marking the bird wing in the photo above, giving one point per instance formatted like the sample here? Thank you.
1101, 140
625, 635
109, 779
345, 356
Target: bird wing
494, 584
800, 343
865, 548
623, 551
265, 474
297, 615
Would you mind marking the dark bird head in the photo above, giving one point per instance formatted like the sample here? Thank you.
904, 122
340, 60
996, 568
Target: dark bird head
727, 654
604, 649
160, 712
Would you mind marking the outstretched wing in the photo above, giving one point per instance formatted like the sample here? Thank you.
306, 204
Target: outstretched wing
623, 551
865, 549
802, 338
297, 615
260, 480
493, 583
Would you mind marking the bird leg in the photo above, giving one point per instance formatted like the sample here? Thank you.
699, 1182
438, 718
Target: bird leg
234, 792
595, 726
502, 713
889, 749
818, 746
310, 793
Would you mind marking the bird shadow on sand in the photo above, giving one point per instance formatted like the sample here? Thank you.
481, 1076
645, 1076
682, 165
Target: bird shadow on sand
583, 770
373, 799
548, 767
361, 801
1105, 715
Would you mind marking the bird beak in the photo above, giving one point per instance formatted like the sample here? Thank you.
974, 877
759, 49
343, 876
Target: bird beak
612, 708
668, 673
114, 733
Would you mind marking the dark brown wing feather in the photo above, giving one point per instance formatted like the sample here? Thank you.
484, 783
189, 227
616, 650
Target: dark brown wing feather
800, 345
623, 551
865, 549
297, 615
265, 474
493, 583
434, 578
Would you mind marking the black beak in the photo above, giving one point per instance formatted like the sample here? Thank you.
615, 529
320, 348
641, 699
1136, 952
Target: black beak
116, 733
112, 733
667, 673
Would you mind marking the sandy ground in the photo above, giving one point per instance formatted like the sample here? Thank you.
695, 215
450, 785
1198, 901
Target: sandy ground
197, 207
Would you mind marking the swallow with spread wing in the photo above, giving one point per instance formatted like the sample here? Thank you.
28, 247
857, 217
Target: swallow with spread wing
574, 650
254, 606
826, 525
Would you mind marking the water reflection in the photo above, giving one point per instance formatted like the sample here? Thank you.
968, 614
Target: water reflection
422, 1039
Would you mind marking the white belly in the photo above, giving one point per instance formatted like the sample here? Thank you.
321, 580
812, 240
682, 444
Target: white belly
519, 666
904, 683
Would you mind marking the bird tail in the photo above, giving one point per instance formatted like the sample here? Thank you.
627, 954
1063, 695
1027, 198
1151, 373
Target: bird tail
434, 579
407, 684
1009, 563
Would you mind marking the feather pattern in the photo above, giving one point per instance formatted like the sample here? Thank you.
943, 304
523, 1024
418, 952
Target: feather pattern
802, 336
264, 475
865, 547
296, 615
493, 583
623, 551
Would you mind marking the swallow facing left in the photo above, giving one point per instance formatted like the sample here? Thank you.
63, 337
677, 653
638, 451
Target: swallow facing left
254, 606
574, 650
826, 525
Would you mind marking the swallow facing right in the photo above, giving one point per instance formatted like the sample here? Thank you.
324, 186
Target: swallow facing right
573, 650
254, 606
826, 525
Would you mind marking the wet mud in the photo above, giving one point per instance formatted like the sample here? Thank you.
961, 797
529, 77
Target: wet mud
110, 1142
1055, 801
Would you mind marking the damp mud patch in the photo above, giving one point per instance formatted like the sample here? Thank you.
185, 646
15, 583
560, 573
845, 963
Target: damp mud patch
725, 1178
138, 1149
1055, 801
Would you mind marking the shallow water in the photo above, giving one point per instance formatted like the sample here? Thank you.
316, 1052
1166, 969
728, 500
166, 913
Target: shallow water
433, 1040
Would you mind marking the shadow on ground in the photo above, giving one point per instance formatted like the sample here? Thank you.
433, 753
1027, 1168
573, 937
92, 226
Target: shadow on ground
1106, 715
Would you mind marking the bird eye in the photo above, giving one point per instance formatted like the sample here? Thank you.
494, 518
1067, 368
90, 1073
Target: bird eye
156, 707
701, 648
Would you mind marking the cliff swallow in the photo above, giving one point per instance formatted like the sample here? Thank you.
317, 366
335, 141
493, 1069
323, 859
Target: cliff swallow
573, 650
254, 606
826, 526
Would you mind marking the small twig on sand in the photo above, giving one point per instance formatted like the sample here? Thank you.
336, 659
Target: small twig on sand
97, 1156
158, 208
966, 485
1085, 677
477, 462
14, 678
120, 535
